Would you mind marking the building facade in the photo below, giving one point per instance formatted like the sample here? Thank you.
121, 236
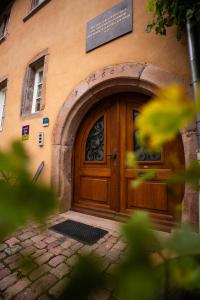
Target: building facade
90, 100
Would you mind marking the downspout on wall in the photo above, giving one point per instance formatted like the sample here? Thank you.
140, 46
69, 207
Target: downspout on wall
193, 35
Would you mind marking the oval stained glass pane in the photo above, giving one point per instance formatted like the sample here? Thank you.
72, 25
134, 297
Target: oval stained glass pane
95, 142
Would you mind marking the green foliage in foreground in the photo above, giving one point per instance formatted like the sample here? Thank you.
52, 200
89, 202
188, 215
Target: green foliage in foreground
155, 267
167, 13
163, 117
21, 200
160, 121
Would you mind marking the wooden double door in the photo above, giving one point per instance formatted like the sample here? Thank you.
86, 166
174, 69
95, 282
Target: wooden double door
102, 179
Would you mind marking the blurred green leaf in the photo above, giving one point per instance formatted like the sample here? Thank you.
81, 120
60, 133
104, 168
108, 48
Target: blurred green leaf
150, 5
138, 283
131, 160
137, 276
87, 277
185, 273
191, 175
140, 237
28, 263
183, 241
21, 201
162, 118
143, 178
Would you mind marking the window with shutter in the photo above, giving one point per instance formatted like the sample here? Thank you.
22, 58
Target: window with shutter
33, 90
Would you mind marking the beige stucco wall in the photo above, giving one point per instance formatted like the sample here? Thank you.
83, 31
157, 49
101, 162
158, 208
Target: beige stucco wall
60, 27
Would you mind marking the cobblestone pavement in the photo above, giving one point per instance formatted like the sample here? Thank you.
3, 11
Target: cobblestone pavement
53, 255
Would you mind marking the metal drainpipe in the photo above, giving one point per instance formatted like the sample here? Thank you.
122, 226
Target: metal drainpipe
193, 35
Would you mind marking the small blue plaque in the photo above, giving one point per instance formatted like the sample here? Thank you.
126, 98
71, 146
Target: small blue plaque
45, 122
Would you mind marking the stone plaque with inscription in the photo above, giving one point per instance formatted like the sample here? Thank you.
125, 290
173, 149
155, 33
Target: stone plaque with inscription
110, 25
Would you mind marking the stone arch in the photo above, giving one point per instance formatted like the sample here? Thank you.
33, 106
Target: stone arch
124, 77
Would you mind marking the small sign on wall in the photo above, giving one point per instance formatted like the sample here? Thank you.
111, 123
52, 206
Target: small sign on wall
45, 122
25, 132
110, 25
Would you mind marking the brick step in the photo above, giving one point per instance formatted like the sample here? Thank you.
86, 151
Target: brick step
163, 227
171, 223
162, 222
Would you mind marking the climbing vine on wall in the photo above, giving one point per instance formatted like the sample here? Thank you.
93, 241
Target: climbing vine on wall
167, 13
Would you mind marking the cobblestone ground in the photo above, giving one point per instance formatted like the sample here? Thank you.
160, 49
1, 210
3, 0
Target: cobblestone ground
53, 255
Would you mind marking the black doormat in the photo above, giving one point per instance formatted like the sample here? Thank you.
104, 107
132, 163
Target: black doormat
83, 233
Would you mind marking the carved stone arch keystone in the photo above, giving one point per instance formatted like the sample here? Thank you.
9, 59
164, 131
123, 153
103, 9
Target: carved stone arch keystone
123, 77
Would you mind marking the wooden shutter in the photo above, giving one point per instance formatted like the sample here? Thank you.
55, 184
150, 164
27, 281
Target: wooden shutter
2, 106
27, 96
3, 24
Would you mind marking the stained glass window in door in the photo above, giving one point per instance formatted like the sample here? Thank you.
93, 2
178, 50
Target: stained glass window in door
95, 142
141, 153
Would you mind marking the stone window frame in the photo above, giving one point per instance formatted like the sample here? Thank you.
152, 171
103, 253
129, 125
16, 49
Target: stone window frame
3, 86
41, 60
4, 20
34, 8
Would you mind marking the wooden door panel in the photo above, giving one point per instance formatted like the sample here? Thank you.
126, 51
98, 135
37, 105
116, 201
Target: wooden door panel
95, 189
103, 172
150, 195
161, 174
96, 173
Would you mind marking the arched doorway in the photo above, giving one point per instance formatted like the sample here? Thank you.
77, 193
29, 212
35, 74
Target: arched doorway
102, 179
126, 77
